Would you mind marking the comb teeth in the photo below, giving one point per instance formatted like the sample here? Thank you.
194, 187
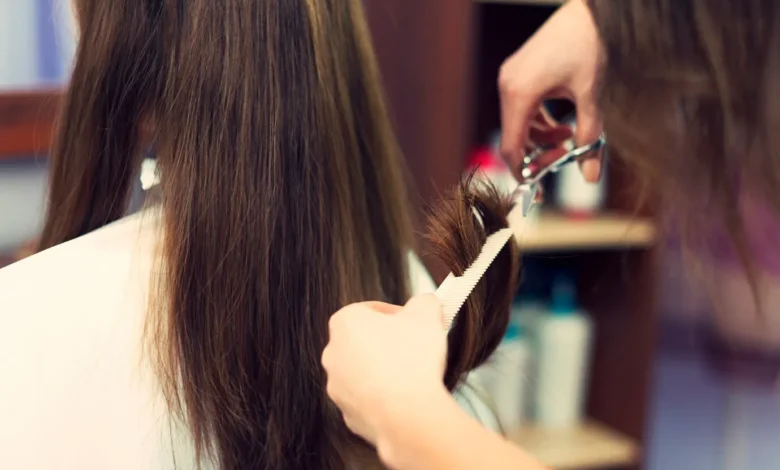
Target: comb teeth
454, 291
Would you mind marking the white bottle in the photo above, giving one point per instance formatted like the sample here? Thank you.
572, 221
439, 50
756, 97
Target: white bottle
563, 339
527, 313
18, 44
506, 382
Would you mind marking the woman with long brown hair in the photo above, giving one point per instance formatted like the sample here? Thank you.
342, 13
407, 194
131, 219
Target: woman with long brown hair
687, 93
189, 335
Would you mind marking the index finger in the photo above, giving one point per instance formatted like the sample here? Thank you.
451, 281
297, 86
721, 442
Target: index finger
516, 112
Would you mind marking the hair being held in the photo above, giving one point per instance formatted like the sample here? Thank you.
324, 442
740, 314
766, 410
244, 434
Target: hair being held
283, 199
458, 228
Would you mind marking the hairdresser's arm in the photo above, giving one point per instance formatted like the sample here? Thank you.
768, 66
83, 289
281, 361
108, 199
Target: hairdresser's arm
385, 366
435, 433
561, 60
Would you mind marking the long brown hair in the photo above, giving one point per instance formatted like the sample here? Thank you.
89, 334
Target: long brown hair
283, 199
691, 100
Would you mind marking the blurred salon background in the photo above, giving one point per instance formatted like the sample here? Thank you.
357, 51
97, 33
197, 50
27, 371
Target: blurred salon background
625, 351
37, 41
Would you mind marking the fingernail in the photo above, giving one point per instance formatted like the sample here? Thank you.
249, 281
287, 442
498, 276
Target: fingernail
591, 170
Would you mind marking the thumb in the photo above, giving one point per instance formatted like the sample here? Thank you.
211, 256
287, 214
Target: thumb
589, 129
427, 305
589, 124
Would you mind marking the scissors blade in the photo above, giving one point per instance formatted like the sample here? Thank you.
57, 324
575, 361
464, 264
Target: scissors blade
528, 197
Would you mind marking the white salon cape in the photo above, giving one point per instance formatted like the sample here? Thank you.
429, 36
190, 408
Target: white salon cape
75, 389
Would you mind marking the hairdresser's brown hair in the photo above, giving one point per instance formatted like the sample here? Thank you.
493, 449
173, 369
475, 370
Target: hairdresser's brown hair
283, 200
691, 100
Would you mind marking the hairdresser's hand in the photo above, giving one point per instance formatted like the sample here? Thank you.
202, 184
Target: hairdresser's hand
385, 363
560, 61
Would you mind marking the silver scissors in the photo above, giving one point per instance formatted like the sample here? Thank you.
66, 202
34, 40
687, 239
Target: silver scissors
531, 172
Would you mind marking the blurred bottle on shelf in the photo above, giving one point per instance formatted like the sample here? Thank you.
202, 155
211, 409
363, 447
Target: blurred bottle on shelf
528, 309
505, 378
489, 165
574, 195
562, 339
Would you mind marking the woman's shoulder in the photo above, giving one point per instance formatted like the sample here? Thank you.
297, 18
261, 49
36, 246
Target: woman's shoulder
89, 271
71, 319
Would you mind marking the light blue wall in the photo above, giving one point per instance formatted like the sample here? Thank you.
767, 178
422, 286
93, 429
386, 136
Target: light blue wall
35, 41
22, 195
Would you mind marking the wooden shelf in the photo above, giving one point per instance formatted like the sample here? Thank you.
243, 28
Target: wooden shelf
554, 232
590, 446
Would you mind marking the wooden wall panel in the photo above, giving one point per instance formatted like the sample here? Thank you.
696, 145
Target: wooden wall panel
27, 122
426, 50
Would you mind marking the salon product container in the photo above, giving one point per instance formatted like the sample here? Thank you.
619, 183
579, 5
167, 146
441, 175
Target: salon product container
505, 378
562, 346
576, 196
